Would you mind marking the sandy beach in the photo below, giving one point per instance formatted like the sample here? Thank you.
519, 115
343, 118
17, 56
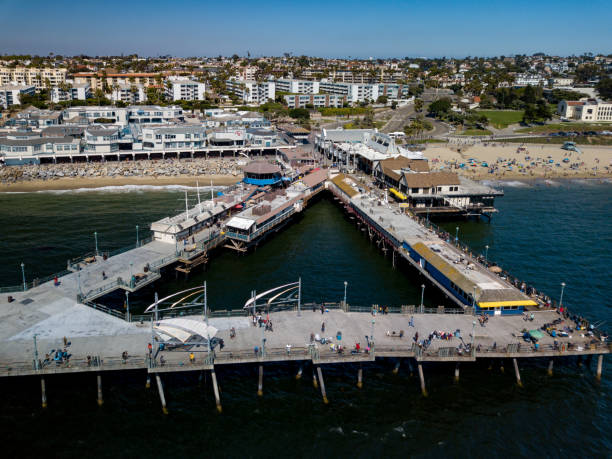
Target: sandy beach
515, 161
99, 182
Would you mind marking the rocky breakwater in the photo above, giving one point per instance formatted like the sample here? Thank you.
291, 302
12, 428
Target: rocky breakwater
162, 168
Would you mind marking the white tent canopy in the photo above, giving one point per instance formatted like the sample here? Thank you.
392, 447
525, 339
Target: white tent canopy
184, 329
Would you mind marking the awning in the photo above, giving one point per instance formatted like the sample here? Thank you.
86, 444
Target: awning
400, 195
499, 304
240, 223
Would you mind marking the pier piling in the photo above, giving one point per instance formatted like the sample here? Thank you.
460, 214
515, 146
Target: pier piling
517, 373
315, 384
457, 373
422, 378
148, 383
100, 399
599, 366
322, 384
260, 383
299, 373
396, 368
216, 390
360, 378
501, 366
550, 367
43, 390
162, 398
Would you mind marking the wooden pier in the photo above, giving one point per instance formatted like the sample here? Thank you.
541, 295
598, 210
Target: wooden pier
40, 317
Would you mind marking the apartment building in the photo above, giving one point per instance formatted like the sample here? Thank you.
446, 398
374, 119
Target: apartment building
590, 111
100, 139
180, 88
526, 79
28, 144
98, 80
39, 78
74, 91
10, 93
162, 138
297, 86
252, 92
316, 100
128, 93
354, 92
88, 115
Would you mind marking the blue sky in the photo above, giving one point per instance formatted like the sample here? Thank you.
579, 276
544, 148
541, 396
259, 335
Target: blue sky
322, 28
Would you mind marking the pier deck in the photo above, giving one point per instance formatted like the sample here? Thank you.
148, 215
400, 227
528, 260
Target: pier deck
52, 312
94, 333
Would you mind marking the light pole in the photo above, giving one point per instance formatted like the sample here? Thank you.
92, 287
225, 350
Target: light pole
137, 236
474, 298
487, 253
422, 297
560, 299
127, 304
456, 234
36, 364
372, 334
345, 285
96, 238
23, 276
473, 331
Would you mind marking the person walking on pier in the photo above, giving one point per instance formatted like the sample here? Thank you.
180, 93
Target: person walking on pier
411, 321
323, 327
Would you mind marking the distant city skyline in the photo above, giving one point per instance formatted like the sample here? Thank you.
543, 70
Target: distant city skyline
341, 29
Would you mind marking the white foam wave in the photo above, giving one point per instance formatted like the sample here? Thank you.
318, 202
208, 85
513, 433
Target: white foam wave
516, 184
125, 189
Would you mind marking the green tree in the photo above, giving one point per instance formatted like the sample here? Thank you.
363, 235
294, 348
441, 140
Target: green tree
604, 88
542, 110
440, 107
382, 99
530, 115
299, 113
418, 105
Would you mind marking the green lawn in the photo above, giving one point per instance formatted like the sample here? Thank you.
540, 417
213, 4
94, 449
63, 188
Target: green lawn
475, 132
566, 127
502, 118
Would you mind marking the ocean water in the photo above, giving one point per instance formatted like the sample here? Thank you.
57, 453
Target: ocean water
544, 233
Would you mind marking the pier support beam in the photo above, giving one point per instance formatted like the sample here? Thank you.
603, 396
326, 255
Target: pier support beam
396, 368
162, 397
322, 384
260, 383
599, 366
550, 367
517, 373
43, 390
315, 384
360, 378
501, 366
422, 378
579, 361
457, 373
100, 399
299, 373
216, 390
148, 383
